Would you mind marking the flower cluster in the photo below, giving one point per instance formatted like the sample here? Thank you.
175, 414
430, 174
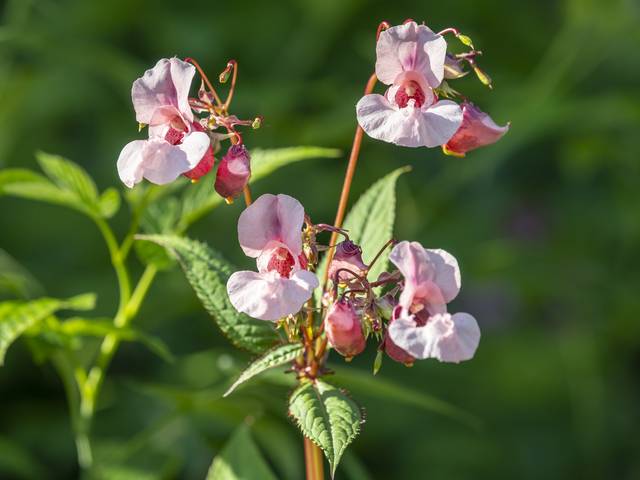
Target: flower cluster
408, 318
413, 61
184, 132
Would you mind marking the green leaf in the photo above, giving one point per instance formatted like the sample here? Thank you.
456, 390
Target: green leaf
19, 175
16, 317
240, 459
207, 272
327, 416
69, 176
15, 280
370, 222
365, 384
77, 326
200, 198
109, 202
276, 357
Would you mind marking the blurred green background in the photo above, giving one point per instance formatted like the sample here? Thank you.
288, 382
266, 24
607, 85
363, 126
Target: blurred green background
545, 224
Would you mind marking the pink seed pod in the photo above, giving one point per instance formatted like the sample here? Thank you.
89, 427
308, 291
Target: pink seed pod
234, 172
348, 256
344, 329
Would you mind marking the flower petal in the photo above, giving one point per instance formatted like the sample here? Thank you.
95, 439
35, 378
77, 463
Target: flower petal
163, 162
477, 130
445, 337
447, 273
194, 146
269, 218
410, 47
267, 296
409, 126
165, 85
130, 163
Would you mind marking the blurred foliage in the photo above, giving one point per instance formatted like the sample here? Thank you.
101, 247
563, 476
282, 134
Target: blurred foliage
545, 225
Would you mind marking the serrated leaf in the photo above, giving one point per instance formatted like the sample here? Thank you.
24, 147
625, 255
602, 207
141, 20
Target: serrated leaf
370, 222
327, 416
69, 176
207, 272
201, 197
276, 357
109, 202
16, 317
240, 459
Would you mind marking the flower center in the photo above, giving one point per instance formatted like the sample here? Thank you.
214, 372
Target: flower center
174, 137
281, 261
410, 90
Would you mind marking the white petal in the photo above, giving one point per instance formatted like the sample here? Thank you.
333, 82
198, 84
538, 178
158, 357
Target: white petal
445, 337
194, 146
130, 163
163, 162
447, 273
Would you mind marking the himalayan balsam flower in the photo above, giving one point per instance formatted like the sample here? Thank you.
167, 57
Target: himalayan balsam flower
177, 144
270, 230
344, 331
420, 325
233, 172
410, 58
477, 130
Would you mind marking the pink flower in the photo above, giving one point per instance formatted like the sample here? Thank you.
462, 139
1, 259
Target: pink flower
344, 330
348, 256
477, 130
410, 58
233, 172
270, 230
176, 145
420, 324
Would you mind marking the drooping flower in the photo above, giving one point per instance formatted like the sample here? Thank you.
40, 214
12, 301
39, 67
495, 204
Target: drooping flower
347, 259
233, 172
177, 144
410, 58
270, 230
420, 325
477, 130
344, 329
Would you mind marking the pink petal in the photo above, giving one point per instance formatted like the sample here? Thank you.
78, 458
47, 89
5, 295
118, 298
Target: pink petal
477, 130
409, 126
445, 337
447, 273
271, 218
267, 296
194, 146
130, 163
165, 85
410, 47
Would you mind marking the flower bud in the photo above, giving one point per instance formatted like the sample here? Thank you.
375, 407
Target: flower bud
348, 256
344, 330
477, 130
234, 172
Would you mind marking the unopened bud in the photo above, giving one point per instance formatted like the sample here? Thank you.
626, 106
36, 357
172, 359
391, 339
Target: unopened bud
224, 76
141, 126
466, 40
257, 123
348, 256
344, 329
233, 173
377, 363
482, 76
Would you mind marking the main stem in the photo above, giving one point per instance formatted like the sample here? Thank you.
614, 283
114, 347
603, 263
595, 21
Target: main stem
313, 460
348, 179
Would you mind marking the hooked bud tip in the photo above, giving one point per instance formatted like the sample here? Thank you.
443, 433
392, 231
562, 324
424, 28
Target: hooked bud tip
482, 76
257, 123
466, 40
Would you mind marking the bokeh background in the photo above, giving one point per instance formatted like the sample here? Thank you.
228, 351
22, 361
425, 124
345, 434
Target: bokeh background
545, 224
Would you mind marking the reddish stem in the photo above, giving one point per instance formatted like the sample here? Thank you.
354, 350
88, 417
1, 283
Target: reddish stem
348, 179
206, 79
231, 64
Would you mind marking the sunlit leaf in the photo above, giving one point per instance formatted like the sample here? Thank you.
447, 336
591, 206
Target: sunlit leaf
69, 176
160, 217
18, 316
15, 280
109, 202
327, 416
207, 272
276, 357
